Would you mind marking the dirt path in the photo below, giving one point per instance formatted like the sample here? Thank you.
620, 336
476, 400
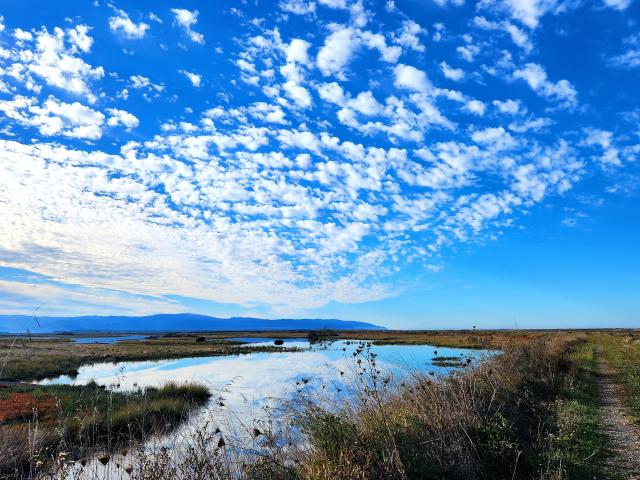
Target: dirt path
624, 435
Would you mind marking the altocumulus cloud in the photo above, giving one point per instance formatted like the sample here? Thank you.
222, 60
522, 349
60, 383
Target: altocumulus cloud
326, 147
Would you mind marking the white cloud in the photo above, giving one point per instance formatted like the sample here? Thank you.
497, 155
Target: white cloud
629, 59
519, 37
154, 17
529, 12
511, 107
476, 107
304, 140
411, 78
604, 139
194, 78
618, 4
378, 42
298, 94
122, 117
139, 81
337, 50
408, 36
366, 104
54, 60
455, 74
289, 190
122, 24
444, 3
296, 51
79, 37
298, 7
533, 124
334, 3
268, 113
22, 35
54, 117
150, 90
332, 92
497, 137
58, 299
340, 46
468, 52
186, 19
536, 77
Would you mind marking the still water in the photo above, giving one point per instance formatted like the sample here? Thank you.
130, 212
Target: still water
121, 338
253, 378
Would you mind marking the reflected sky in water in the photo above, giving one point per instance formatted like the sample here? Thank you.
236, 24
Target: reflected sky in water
108, 339
255, 377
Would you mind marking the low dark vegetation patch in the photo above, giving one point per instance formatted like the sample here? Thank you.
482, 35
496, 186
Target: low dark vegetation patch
448, 362
321, 335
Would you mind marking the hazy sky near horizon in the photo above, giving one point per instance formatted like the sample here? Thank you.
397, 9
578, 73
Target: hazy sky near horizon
418, 164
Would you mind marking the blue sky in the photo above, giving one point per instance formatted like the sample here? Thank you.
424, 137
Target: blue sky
418, 164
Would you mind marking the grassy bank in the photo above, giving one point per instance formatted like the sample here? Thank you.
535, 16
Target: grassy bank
36, 358
472, 338
43, 425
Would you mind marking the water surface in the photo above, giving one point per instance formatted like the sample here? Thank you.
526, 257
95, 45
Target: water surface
254, 377
269, 342
108, 339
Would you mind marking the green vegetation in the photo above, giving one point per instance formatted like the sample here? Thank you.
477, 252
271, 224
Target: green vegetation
41, 423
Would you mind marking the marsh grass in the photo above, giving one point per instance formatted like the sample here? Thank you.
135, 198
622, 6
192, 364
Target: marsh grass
76, 422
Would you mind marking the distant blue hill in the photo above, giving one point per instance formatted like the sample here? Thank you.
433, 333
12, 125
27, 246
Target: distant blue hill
173, 322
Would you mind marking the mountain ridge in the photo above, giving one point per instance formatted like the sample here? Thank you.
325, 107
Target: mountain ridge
169, 322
